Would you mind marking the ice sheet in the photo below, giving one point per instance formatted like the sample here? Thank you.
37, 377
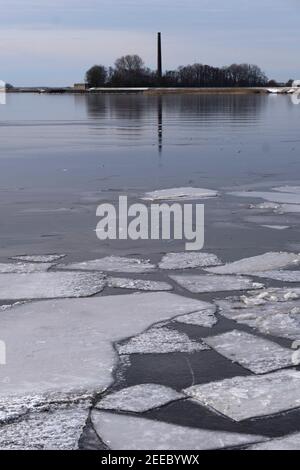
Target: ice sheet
159, 340
133, 433
24, 268
284, 276
284, 198
51, 430
139, 398
266, 262
242, 398
187, 260
180, 194
38, 258
256, 354
205, 318
277, 227
291, 442
50, 285
215, 283
288, 189
113, 264
138, 284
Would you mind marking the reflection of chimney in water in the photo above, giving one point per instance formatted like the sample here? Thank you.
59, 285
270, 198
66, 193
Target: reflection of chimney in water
159, 123
159, 58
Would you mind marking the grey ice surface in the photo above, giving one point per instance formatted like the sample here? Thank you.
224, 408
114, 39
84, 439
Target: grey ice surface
138, 284
241, 398
113, 264
280, 197
180, 194
272, 294
50, 285
139, 398
288, 189
66, 345
121, 432
24, 268
205, 318
284, 276
200, 283
51, 430
255, 354
291, 442
266, 262
38, 258
187, 260
160, 340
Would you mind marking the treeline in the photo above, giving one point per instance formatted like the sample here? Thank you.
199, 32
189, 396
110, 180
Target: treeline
130, 71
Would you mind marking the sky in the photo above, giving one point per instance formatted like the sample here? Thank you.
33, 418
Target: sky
53, 42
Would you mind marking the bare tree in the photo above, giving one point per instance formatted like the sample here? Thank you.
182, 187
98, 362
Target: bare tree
96, 76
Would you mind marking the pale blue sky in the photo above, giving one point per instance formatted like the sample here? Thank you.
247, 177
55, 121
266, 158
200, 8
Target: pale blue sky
53, 42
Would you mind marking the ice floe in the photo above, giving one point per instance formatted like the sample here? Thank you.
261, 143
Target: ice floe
51, 430
205, 318
160, 340
24, 268
138, 284
188, 260
139, 398
273, 294
276, 227
241, 398
284, 276
291, 442
67, 345
256, 354
288, 189
50, 285
280, 197
121, 432
180, 194
214, 283
113, 264
266, 262
38, 258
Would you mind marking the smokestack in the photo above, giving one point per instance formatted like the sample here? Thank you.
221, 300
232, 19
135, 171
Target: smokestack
159, 58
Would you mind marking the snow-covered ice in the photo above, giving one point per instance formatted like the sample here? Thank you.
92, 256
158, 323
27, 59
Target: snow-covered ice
205, 318
67, 345
188, 260
160, 340
138, 284
118, 264
273, 294
180, 194
256, 354
266, 262
214, 283
284, 276
51, 430
241, 398
50, 285
276, 227
121, 432
24, 268
290, 442
39, 258
288, 189
280, 197
139, 398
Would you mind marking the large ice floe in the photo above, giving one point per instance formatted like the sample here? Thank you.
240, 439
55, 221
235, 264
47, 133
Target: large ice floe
50, 285
38, 258
290, 442
214, 283
138, 284
161, 340
24, 268
256, 354
121, 432
280, 197
266, 262
116, 264
180, 194
284, 276
273, 312
139, 398
188, 260
241, 398
205, 318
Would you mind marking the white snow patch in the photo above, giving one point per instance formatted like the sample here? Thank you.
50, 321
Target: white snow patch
215, 283
188, 260
133, 433
180, 194
38, 258
159, 340
291, 442
50, 285
138, 284
113, 264
241, 398
139, 398
24, 268
255, 354
265, 262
